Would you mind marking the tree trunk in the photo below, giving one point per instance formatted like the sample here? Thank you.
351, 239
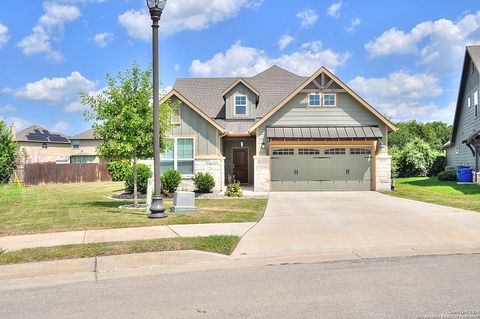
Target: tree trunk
135, 181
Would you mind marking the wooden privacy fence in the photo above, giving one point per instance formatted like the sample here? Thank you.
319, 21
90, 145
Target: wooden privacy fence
46, 173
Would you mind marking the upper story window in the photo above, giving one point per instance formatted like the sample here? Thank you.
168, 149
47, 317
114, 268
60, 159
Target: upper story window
329, 99
240, 106
469, 102
44, 145
76, 144
176, 116
314, 100
475, 98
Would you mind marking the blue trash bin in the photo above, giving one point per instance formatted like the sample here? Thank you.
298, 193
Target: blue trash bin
459, 171
466, 175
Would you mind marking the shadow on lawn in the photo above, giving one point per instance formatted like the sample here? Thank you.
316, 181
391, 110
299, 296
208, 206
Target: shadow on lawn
466, 189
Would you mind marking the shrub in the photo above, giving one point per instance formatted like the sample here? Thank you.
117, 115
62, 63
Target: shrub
204, 182
171, 178
447, 176
118, 170
438, 165
233, 188
143, 174
416, 159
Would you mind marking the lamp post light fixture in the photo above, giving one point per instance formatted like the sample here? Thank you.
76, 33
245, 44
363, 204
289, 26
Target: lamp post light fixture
157, 209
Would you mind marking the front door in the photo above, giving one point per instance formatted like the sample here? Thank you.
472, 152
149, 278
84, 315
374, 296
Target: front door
240, 164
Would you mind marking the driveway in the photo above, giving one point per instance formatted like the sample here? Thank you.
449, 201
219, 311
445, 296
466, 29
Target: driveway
336, 222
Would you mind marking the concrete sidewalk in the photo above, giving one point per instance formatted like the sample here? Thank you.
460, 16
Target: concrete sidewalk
11, 243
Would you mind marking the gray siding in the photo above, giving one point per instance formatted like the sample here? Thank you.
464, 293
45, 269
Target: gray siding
193, 125
229, 144
296, 113
467, 125
240, 89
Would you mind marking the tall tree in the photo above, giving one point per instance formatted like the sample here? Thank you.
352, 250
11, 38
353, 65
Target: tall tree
123, 118
8, 153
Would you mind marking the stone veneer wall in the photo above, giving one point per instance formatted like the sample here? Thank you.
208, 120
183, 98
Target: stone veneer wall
214, 166
262, 173
384, 172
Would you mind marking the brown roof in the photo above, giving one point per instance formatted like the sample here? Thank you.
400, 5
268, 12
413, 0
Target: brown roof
86, 135
21, 136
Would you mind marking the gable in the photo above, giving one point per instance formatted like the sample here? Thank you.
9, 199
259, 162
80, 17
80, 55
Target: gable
323, 81
240, 90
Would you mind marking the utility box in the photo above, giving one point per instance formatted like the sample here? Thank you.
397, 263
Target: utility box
184, 202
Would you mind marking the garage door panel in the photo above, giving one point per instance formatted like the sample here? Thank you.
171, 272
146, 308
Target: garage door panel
322, 168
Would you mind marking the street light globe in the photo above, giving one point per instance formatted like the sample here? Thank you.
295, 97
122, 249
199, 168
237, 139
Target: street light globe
156, 4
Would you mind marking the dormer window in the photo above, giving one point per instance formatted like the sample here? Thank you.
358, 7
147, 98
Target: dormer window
314, 100
240, 106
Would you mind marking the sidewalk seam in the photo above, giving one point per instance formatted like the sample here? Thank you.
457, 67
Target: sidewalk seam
174, 231
84, 236
95, 268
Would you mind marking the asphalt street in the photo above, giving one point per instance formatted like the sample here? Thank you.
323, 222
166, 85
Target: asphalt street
410, 287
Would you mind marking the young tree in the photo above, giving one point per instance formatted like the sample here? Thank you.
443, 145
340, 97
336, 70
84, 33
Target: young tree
8, 153
123, 118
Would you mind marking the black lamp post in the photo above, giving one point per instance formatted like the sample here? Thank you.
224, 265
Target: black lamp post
157, 209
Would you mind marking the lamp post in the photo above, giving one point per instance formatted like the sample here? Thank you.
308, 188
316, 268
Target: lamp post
157, 209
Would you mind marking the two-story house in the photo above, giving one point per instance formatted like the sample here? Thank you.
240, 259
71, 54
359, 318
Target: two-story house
278, 131
463, 148
84, 148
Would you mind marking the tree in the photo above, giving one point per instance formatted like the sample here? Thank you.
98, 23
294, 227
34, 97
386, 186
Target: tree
8, 153
123, 118
416, 159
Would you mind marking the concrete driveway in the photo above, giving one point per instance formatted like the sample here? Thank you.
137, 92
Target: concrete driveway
363, 222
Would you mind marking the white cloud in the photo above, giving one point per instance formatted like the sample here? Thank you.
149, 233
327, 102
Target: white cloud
60, 126
50, 25
440, 44
285, 40
20, 123
334, 9
401, 95
307, 17
4, 36
353, 24
102, 40
7, 109
240, 60
182, 15
176, 67
54, 90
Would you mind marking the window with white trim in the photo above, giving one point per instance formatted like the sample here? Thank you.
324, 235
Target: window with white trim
314, 100
475, 98
329, 99
469, 102
308, 151
180, 156
176, 116
240, 105
360, 151
76, 144
335, 151
283, 151
44, 145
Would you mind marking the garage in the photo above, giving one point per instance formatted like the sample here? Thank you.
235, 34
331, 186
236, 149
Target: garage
322, 158
321, 168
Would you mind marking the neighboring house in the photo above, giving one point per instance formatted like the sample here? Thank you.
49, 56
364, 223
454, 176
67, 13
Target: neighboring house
279, 131
41, 145
464, 145
84, 148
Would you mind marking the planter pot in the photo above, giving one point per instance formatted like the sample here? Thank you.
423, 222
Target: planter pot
184, 202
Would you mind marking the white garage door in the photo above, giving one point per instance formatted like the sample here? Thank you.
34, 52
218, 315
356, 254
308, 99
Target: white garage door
321, 168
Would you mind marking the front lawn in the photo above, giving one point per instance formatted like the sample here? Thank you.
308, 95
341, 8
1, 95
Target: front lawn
65, 207
215, 244
431, 190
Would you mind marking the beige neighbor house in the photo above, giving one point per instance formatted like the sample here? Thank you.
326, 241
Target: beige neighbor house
278, 131
41, 145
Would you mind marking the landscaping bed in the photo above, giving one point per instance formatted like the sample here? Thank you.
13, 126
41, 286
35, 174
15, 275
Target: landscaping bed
431, 190
82, 206
215, 244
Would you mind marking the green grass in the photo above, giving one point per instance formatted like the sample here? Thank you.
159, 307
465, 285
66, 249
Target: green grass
215, 244
65, 207
431, 190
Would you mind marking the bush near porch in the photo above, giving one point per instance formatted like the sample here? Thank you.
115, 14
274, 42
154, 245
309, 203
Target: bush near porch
65, 207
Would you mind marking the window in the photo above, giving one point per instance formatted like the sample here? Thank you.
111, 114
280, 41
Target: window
335, 151
475, 98
240, 105
314, 100
180, 156
76, 144
283, 151
469, 102
176, 116
83, 159
308, 151
457, 150
329, 99
359, 151
44, 145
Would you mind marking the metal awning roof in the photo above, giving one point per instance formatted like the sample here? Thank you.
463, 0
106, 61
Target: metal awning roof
336, 132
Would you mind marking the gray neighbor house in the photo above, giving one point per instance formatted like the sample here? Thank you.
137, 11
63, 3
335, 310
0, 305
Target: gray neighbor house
463, 148
277, 131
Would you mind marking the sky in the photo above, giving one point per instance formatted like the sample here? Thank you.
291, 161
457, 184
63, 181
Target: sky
404, 57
